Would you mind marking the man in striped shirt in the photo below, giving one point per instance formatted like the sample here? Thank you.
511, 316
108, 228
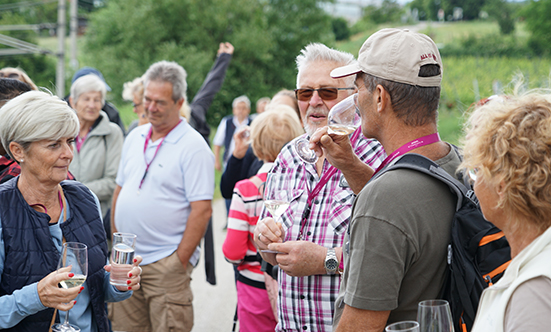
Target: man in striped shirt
309, 235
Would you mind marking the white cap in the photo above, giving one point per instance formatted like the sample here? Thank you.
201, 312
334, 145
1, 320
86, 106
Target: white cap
396, 55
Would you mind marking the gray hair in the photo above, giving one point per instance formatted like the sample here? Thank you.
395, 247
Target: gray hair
241, 99
35, 116
170, 72
88, 83
314, 52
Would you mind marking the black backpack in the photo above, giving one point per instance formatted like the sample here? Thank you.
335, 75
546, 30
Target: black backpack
478, 253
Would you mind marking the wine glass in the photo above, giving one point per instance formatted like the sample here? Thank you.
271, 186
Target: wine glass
75, 255
277, 203
343, 119
434, 316
405, 326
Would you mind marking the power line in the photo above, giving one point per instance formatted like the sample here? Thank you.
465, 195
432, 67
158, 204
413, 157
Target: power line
22, 46
10, 6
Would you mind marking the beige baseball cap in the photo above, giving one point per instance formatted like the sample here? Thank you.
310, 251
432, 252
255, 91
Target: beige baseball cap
396, 55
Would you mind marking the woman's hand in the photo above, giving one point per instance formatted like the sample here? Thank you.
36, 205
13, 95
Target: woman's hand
134, 275
52, 296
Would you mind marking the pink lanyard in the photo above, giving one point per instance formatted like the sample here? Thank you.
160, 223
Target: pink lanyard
147, 164
416, 143
324, 179
44, 207
80, 141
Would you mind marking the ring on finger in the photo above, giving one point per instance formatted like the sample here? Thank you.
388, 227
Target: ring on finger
259, 235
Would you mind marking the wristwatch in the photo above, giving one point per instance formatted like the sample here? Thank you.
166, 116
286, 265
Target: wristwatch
331, 262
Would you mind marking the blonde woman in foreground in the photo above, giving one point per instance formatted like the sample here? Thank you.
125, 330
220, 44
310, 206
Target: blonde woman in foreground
508, 149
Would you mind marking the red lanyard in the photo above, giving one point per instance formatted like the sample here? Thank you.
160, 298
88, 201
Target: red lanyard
416, 143
147, 164
324, 179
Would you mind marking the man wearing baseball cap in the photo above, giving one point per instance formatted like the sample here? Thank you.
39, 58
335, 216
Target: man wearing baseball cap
396, 243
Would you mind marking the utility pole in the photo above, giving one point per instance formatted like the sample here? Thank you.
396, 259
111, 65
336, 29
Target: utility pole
74, 31
60, 72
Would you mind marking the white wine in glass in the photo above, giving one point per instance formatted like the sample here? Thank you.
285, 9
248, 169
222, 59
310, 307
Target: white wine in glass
75, 255
343, 119
276, 207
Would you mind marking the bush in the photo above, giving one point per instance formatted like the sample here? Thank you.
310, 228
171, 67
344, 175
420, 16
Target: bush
491, 45
340, 28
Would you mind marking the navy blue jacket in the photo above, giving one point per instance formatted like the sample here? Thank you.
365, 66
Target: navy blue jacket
31, 253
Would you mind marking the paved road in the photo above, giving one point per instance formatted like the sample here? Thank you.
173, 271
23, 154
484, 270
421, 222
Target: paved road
214, 306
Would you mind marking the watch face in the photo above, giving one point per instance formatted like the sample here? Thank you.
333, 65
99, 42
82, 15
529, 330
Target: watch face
331, 264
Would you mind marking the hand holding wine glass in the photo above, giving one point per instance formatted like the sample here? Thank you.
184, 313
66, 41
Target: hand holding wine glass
74, 255
343, 119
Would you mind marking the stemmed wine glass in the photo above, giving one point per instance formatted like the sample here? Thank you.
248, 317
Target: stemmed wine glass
73, 254
434, 316
405, 326
343, 119
277, 203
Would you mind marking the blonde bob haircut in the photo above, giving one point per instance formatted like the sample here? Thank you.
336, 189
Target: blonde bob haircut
509, 141
271, 130
34, 116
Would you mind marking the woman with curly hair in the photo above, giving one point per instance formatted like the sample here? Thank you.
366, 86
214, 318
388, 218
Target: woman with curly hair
508, 149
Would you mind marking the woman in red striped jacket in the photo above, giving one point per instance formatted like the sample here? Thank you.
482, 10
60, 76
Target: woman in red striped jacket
269, 132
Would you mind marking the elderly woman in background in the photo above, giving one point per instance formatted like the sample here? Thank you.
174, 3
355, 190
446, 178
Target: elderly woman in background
98, 144
270, 131
508, 147
17, 74
133, 91
38, 211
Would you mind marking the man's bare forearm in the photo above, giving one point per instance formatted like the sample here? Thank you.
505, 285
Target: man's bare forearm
196, 226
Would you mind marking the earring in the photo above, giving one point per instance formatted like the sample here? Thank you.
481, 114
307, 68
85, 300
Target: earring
21, 161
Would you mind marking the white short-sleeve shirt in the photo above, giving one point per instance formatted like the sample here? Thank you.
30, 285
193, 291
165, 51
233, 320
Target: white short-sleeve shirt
181, 172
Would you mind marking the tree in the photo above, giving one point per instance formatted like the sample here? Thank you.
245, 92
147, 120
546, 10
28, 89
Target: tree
127, 36
340, 28
536, 15
471, 8
388, 11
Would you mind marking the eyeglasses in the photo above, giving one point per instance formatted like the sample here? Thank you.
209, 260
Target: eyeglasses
9, 75
324, 93
473, 174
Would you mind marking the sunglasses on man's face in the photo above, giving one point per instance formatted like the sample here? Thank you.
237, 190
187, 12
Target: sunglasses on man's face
324, 93
9, 75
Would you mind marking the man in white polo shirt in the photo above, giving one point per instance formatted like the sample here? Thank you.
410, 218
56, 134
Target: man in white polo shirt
164, 190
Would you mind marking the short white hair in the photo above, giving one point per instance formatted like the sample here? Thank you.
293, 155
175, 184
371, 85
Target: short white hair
34, 116
241, 99
88, 83
315, 52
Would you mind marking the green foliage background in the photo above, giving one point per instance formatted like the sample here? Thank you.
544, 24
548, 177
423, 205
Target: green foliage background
127, 36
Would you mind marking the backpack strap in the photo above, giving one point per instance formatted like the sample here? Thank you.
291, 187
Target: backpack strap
423, 164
